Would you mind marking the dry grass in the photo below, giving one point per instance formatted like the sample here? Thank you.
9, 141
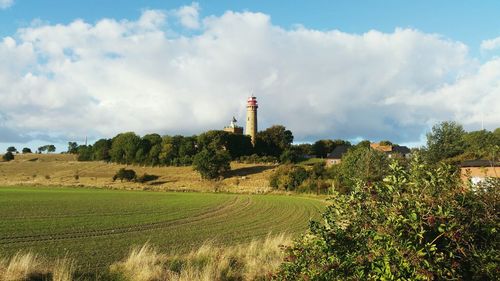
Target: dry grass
28, 266
252, 261
64, 170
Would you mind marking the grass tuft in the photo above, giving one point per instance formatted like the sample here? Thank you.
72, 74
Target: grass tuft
251, 261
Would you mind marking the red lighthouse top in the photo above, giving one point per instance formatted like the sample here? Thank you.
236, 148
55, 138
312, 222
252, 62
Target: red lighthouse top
252, 101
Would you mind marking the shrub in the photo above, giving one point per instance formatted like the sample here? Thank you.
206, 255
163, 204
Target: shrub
288, 177
124, 174
418, 224
8, 156
146, 177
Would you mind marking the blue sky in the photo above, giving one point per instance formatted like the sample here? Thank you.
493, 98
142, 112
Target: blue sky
325, 69
466, 21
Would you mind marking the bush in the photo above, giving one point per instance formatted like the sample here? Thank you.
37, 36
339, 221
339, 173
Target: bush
288, 177
8, 156
146, 177
418, 224
124, 174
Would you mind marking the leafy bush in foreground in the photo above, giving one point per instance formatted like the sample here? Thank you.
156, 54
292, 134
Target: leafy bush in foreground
419, 224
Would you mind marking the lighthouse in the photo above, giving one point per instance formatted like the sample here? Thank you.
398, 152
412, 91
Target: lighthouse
251, 128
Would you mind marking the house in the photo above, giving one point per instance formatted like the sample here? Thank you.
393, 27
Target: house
335, 157
479, 170
392, 150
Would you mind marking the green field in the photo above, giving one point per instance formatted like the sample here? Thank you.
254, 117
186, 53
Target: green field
98, 227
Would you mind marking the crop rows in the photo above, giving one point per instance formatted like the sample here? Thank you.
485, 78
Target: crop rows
102, 225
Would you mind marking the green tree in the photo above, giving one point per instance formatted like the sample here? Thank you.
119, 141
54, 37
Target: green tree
11, 149
72, 147
273, 141
124, 147
26, 150
479, 144
446, 140
361, 164
8, 156
211, 164
101, 149
84, 153
51, 148
363, 143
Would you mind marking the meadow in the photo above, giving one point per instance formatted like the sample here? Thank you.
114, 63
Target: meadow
65, 170
97, 227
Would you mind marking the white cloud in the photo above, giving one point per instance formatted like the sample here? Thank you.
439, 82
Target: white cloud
113, 76
188, 16
490, 44
4, 4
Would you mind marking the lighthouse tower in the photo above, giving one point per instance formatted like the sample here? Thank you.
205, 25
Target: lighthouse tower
251, 128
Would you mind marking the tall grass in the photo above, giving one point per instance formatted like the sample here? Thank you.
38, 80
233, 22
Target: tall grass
28, 266
256, 260
252, 261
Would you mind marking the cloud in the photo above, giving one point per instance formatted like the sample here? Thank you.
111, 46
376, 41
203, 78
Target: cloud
4, 4
82, 79
188, 16
490, 44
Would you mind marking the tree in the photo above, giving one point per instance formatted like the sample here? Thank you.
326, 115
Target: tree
48, 148
51, 148
8, 156
479, 144
273, 141
11, 149
72, 147
211, 164
100, 150
365, 165
124, 147
446, 140
26, 150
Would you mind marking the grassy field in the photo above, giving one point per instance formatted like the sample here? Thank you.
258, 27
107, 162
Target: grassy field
97, 227
64, 170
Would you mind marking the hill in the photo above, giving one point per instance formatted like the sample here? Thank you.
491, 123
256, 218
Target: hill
65, 170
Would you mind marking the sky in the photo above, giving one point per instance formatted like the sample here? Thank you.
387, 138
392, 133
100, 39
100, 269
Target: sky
377, 70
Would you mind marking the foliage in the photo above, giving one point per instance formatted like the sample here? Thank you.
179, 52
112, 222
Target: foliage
26, 150
480, 144
273, 140
290, 155
211, 164
364, 165
72, 147
124, 148
11, 149
256, 159
48, 148
8, 156
321, 148
288, 177
418, 224
446, 140
125, 174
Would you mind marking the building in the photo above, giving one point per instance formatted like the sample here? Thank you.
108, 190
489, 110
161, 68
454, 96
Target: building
392, 150
233, 128
251, 126
479, 170
335, 157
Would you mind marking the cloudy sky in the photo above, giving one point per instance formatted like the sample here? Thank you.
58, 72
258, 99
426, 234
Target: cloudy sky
326, 69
